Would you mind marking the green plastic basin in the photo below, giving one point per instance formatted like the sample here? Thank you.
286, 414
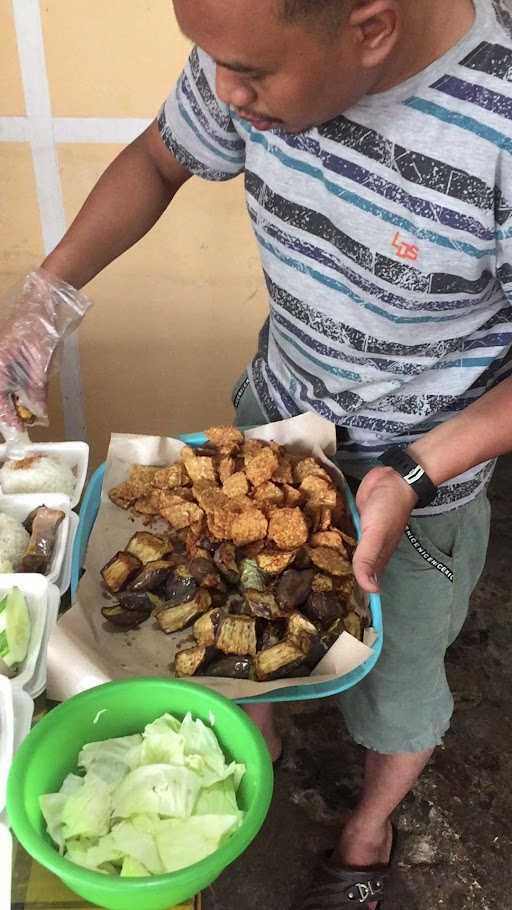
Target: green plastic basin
51, 751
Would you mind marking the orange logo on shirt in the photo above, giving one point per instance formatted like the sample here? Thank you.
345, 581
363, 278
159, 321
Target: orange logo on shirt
405, 250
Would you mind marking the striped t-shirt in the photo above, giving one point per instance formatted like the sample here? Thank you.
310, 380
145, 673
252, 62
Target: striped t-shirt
386, 244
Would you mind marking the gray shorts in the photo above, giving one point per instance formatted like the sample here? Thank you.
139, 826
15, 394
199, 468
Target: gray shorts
405, 704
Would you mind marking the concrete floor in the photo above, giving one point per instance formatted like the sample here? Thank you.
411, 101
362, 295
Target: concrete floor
455, 830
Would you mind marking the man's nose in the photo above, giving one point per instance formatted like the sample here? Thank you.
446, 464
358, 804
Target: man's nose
232, 90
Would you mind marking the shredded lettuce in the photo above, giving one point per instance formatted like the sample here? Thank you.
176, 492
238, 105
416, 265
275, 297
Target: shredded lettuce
147, 804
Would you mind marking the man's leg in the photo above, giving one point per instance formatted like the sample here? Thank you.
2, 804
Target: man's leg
401, 711
263, 717
366, 838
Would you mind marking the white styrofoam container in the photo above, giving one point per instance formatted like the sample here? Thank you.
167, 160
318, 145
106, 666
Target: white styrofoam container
5, 867
64, 580
20, 505
6, 736
37, 684
75, 454
14, 726
23, 709
35, 590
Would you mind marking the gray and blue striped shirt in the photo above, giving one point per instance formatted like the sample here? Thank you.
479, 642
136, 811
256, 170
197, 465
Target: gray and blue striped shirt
386, 244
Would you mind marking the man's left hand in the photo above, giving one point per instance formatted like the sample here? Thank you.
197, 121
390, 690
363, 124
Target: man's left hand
385, 502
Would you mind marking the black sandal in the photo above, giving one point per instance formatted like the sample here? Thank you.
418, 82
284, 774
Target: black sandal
335, 887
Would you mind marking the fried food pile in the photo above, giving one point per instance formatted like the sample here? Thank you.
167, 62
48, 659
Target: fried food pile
255, 557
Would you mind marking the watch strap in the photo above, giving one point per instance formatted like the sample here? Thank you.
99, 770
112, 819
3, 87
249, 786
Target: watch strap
412, 473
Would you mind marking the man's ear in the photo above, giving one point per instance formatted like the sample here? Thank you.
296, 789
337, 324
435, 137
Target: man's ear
376, 26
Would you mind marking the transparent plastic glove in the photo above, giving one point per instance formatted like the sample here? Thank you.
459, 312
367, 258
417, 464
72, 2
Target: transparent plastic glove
35, 317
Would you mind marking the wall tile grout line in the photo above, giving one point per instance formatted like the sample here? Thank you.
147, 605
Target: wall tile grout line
14, 129
39, 124
75, 130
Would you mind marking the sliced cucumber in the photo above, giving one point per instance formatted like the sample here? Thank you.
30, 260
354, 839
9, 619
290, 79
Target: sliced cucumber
17, 628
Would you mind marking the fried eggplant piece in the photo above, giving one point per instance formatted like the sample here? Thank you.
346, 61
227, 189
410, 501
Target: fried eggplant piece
330, 561
319, 492
273, 563
332, 538
171, 477
199, 467
180, 587
237, 605
260, 466
123, 618
322, 583
43, 535
324, 608
237, 635
120, 570
236, 485
226, 468
354, 625
278, 662
181, 514
230, 668
301, 630
29, 520
269, 634
307, 636
152, 575
269, 493
309, 467
206, 543
263, 605
294, 588
148, 504
134, 600
227, 439
206, 627
252, 550
190, 661
148, 547
173, 619
288, 529
124, 495
250, 576
224, 558
205, 573
248, 527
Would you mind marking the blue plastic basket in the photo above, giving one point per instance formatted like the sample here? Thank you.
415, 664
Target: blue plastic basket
88, 512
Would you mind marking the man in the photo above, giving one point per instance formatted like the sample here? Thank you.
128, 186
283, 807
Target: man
376, 139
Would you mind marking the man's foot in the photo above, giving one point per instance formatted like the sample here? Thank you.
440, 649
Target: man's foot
362, 845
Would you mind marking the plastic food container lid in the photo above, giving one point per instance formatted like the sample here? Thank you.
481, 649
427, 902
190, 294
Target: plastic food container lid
20, 506
35, 590
75, 454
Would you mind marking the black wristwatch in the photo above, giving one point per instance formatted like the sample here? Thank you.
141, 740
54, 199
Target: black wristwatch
412, 473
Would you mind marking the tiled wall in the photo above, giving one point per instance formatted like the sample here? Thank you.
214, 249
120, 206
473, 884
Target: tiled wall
177, 317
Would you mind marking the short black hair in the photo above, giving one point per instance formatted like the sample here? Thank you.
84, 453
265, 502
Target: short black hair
328, 12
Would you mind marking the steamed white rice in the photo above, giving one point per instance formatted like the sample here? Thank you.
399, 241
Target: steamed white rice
37, 474
13, 542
